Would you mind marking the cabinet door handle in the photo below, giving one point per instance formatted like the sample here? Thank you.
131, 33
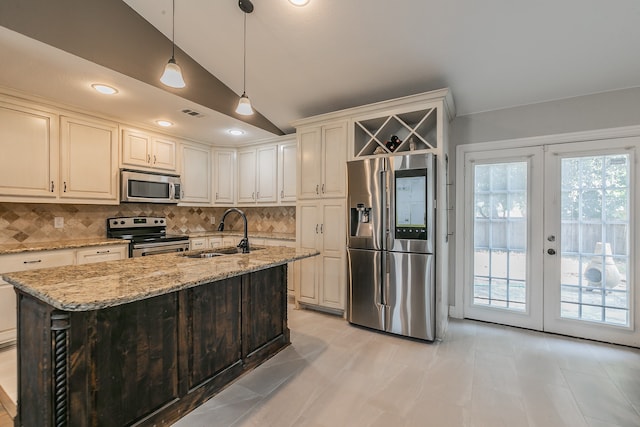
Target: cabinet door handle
282, 194
322, 188
258, 195
52, 186
32, 262
317, 189
154, 159
148, 158
321, 228
216, 195
316, 228
253, 196
64, 186
103, 252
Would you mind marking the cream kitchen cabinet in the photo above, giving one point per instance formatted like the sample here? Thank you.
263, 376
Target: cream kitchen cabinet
321, 226
148, 151
322, 157
287, 159
88, 160
257, 175
101, 253
33, 260
29, 161
50, 158
196, 174
224, 161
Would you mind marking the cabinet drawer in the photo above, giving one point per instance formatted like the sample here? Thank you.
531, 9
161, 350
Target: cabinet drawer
103, 253
198, 243
35, 260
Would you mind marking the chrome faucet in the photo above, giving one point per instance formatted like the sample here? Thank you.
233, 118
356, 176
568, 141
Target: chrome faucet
244, 243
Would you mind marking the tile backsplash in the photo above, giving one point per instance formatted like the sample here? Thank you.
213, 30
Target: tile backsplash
34, 222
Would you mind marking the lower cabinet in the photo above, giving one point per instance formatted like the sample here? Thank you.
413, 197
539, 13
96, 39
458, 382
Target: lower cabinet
147, 362
321, 225
25, 261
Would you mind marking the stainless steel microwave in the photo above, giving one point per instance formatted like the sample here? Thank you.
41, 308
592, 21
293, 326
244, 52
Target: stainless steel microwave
148, 187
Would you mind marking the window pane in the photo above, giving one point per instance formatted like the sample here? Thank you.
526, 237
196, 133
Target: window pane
595, 239
500, 235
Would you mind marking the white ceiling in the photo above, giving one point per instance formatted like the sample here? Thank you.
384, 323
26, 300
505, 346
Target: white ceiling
335, 54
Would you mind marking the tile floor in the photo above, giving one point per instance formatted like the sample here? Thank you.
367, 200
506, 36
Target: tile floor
336, 375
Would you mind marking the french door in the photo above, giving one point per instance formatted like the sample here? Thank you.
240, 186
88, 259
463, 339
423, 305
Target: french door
553, 238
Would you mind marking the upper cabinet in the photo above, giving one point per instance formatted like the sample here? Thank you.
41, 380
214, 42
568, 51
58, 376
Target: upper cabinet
148, 150
322, 154
88, 159
29, 160
51, 158
257, 175
196, 174
287, 159
224, 177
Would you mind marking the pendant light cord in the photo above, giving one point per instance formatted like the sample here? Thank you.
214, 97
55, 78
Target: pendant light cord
244, 60
173, 31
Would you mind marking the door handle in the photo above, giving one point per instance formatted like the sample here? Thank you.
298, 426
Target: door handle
282, 194
154, 159
52, 186
322, 188
551, 251
317, 189
65, 187
148, 158
321, 228
316, 228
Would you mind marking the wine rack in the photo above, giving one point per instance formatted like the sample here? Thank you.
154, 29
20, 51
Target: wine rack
414, 131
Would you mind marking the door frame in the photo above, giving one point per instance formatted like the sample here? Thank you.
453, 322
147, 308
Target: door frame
456, 310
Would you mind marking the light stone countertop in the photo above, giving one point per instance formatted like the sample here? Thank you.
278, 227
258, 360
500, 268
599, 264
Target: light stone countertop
13, 248
106, 284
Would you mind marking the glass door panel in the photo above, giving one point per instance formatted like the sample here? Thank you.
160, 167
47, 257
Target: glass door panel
503, 212
595, 238
590, 202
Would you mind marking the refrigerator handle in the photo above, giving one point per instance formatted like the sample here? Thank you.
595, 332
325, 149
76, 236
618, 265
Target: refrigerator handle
385, 278
384, 210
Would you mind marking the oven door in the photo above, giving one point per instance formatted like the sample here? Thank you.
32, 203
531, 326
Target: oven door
146, 249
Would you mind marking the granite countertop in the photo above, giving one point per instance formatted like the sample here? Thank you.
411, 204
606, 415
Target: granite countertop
12, 248
106, 284
252, 234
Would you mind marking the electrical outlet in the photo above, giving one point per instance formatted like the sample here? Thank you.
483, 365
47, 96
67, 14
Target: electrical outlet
213, 220
58, 222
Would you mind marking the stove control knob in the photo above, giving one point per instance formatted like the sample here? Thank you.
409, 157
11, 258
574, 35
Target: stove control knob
122, 222
162, 221
115, 222
156, 221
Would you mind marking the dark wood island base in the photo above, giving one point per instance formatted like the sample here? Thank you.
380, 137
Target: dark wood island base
146, 362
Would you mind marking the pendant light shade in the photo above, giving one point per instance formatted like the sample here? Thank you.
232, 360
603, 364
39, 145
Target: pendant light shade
172, 75
244, 104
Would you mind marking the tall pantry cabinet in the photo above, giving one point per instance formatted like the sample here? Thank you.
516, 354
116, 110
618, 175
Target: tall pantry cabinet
325, 143
320, 214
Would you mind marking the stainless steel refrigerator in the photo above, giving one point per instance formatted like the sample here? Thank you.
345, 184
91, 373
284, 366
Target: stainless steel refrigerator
391, 204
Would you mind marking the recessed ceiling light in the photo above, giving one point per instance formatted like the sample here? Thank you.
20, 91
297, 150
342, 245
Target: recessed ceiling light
236, 132
164, 123
104, 89
299, 2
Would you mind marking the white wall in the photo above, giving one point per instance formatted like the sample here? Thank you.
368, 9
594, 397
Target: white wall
584, 113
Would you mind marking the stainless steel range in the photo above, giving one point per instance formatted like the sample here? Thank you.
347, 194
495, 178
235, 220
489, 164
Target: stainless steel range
148, 235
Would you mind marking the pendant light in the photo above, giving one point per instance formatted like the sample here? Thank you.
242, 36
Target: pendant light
244, 104
172, 75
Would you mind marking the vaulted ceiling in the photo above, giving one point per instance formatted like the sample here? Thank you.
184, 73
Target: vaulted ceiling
331, 54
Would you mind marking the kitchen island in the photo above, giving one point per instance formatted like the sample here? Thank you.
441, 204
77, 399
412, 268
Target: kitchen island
145, 340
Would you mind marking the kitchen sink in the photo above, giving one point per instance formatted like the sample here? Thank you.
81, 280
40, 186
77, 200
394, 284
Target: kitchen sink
216, 252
